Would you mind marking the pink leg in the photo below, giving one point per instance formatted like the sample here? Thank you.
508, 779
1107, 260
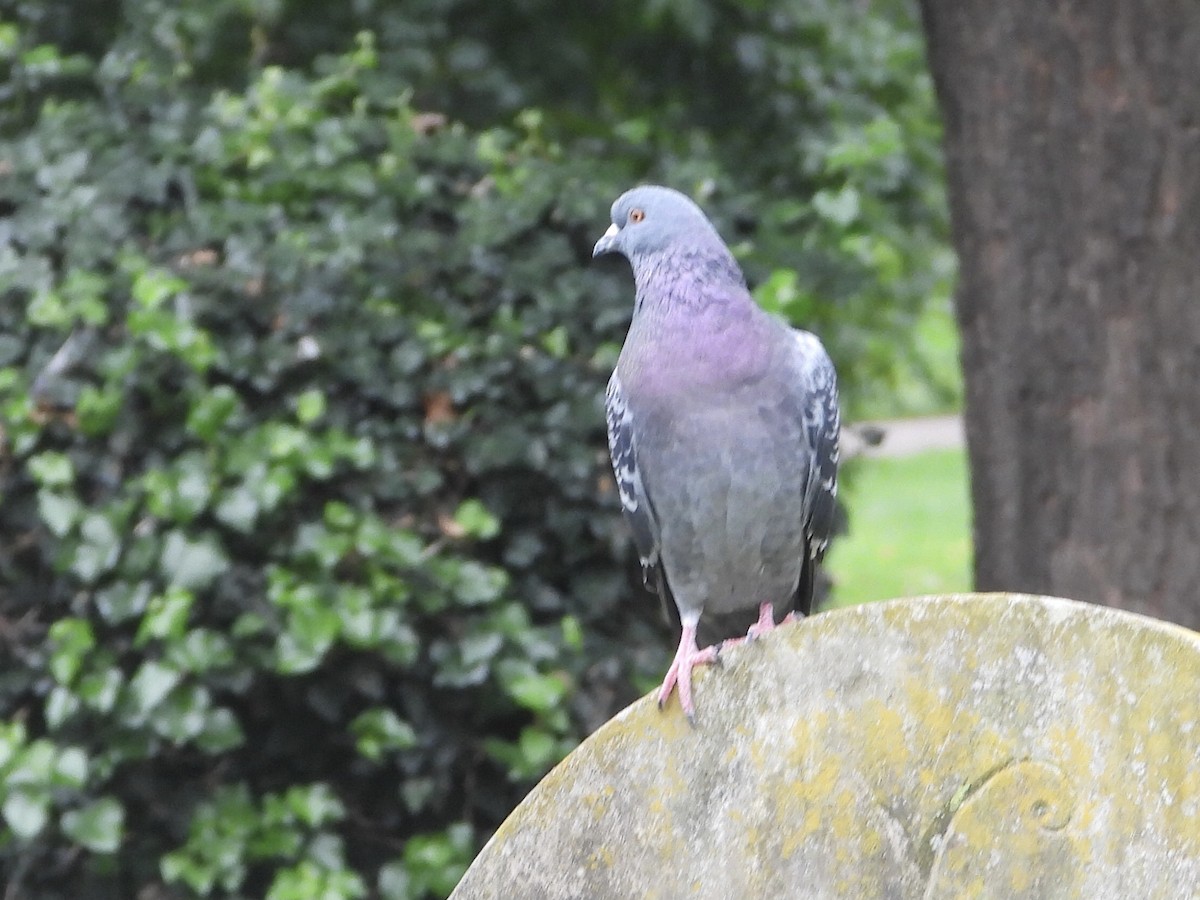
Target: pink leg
765, 623
687, 657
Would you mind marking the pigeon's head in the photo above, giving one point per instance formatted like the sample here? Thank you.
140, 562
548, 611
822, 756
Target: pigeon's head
650, 219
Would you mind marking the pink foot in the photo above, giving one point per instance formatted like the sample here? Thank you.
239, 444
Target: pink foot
687, 657
765, 623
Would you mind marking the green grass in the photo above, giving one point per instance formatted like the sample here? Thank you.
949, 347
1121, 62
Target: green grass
910, 529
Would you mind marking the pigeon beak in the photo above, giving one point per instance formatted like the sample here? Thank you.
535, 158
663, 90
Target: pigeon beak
605, 244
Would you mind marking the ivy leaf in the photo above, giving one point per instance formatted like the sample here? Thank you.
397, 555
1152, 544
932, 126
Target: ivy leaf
72, 639
192, 564
166, 616
379, 730
71, 767
839, 207
98, 550
536, 692
60, 706
475, 520
238, 508
25, 811
98, 826
58, 511
151, 685
221, 732
310, 406
52, 469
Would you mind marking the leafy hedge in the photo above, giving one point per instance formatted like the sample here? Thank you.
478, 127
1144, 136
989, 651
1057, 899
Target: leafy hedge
311, 562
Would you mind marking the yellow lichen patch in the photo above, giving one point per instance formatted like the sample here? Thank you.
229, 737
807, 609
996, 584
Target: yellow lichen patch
598, 801
601, 856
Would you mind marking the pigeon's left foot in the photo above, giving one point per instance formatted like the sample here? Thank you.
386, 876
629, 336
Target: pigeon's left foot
765, 623
687, 657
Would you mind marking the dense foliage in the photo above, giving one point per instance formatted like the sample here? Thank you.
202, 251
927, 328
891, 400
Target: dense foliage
309, 557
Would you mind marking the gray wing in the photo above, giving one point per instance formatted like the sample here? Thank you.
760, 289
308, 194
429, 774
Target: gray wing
634, 500
820, 427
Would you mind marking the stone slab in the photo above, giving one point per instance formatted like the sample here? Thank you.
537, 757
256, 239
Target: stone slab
967, 746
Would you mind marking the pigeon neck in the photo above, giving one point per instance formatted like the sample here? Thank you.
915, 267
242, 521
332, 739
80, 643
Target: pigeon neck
692, 322
687, 280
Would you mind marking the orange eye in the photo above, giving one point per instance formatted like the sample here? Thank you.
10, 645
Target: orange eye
636, 215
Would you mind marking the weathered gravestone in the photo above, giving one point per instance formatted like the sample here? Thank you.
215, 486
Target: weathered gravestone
993, 746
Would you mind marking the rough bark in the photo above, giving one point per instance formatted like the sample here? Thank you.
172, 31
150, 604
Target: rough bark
1073, 160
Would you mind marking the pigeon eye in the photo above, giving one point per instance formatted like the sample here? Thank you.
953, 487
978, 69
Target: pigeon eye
636, 215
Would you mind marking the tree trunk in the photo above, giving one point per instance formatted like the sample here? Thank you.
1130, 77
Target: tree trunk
1073, 160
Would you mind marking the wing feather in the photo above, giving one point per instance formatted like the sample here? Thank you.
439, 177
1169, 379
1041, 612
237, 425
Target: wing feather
635, 502
821, 430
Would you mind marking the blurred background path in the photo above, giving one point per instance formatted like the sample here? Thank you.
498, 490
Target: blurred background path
905, 437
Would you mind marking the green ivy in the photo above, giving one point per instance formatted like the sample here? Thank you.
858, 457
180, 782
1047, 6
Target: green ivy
312, 559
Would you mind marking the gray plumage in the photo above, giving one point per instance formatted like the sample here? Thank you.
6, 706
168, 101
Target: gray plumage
722, 422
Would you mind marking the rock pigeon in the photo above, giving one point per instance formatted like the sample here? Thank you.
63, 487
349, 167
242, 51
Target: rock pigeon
722, 428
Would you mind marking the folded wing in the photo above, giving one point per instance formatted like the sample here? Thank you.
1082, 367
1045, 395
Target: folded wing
821, 423
635, 502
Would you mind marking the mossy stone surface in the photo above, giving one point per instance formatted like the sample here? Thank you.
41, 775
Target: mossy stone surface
963, 746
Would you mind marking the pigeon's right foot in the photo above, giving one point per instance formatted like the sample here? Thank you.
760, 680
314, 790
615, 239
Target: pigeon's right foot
687, 657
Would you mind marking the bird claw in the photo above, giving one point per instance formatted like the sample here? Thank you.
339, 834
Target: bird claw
730, 643
687, 657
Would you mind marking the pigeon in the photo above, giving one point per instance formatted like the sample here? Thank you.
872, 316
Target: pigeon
723, 430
